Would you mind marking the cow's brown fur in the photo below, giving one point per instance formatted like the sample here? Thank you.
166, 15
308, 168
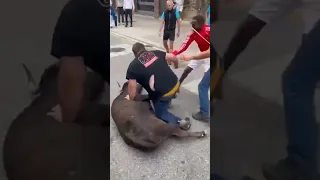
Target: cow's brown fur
138, 125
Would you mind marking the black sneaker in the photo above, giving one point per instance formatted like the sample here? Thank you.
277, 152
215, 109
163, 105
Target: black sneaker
200, 117
283, 171
131, 25
126, 25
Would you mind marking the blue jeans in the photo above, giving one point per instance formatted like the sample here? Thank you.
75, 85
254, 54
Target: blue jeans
203, 89
298, 87
161, 107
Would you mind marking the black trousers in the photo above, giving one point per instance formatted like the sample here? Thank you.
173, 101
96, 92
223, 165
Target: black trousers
128, 13
120, 13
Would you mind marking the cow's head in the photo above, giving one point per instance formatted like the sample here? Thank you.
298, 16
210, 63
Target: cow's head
125, 86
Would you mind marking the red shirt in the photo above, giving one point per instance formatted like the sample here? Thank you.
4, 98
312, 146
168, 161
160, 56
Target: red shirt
193, 36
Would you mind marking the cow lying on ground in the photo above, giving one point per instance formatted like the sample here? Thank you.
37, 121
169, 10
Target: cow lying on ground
138, 125
37, 147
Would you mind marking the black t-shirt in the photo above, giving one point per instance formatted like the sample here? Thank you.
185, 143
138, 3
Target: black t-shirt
83, 30
152, 63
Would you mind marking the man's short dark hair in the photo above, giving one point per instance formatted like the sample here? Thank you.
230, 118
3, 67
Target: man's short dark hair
199, 19
138, 48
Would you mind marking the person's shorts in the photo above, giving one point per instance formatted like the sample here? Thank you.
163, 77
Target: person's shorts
194, 64
169, 35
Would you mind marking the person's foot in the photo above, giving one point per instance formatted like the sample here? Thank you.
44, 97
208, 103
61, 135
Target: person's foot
283, 171
200, 117
185, 124
131, 25
126, 25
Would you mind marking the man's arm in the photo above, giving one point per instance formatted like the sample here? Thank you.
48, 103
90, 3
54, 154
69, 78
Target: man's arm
185, 44
133, 7
162, 23
68, 45
247, 30
178, 22
71, 86
132, 83
132, 89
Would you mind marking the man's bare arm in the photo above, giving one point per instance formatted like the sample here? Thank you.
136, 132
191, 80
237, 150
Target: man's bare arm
132, 88
179, 25
161, 25
71, 86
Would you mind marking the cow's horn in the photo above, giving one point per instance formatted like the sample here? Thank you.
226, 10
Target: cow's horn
32, 87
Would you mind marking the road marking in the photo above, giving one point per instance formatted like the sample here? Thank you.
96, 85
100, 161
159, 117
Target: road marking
192, 86
125, 52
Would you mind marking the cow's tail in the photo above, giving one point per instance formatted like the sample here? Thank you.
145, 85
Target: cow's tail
32, 85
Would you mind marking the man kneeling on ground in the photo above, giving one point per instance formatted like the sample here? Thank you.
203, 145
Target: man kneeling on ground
150, 69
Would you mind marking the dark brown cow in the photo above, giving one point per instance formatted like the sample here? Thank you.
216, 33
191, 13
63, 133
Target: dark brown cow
138, 125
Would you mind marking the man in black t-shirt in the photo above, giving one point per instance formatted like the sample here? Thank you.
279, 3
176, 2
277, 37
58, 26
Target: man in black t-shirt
150, 69
80, 40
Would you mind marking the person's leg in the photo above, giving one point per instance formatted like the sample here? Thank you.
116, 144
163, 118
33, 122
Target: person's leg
122, 14
119, 13
165, 40
299, 82
161, 111
193, 64
126, 15
171, 38
130, 17
203, 88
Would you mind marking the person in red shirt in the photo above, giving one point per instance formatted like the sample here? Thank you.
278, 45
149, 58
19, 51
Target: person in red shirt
200, 33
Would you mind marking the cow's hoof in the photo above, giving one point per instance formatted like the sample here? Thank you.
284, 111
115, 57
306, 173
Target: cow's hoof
187, 124
203, 134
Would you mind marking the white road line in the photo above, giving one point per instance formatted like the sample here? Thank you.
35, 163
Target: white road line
192, 86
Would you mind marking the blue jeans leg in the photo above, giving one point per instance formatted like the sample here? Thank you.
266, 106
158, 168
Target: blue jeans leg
298, 86
203, 89
161, 107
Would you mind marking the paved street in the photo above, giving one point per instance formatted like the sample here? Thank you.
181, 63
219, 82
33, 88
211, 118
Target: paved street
176, 159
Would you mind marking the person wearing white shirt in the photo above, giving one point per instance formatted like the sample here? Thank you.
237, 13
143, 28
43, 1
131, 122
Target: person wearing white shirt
128, 6
299, 82
120, 11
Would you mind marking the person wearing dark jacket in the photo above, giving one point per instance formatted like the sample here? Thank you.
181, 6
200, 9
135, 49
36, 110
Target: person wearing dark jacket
169, 19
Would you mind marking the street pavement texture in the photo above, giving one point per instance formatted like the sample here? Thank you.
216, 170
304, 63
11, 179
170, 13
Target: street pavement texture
176, 159
247, 128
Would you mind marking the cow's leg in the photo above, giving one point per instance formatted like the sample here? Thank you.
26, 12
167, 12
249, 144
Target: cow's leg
183, 133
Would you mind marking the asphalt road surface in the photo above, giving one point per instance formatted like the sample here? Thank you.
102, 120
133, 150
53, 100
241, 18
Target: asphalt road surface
176, 159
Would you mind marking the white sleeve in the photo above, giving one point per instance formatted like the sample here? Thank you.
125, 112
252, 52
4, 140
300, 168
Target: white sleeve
270, 10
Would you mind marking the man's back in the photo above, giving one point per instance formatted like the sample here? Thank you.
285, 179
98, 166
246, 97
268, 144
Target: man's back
152, 63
